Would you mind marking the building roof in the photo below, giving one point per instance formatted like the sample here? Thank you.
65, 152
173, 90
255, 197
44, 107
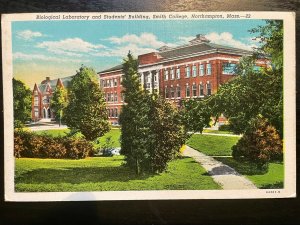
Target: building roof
43, 86
118, 67
199, 45
191, 49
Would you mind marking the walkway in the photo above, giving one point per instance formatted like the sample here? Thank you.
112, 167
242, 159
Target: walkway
46, 126
218, 134
224, 175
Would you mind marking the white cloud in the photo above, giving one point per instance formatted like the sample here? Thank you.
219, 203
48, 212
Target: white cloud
185, 39
226, 38
33, 57
122, 51
28, 34
70, 46
144, 39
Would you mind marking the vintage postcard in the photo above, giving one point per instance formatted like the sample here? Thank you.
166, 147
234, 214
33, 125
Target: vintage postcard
135, 106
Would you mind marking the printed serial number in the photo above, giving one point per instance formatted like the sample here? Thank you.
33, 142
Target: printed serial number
273, 192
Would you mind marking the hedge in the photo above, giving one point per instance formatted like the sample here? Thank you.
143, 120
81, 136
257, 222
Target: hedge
31, 145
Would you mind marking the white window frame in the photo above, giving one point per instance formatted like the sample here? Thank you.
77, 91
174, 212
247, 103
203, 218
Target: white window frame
194, 88
194, 71
187, 90
166, 74
201, 87
201, 70
208, 69
187, 71
178, 73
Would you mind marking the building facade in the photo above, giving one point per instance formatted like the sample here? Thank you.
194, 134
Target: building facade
41, 98
194, 70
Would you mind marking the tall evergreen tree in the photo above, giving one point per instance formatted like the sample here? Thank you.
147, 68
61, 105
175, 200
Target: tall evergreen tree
86, 111
22, 103
133, 117
151, 128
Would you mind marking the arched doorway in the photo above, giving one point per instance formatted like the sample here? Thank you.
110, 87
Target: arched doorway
49, 113
46, 113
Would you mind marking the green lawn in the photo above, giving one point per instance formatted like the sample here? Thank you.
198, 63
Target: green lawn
216, 131
54, 132
272, 179
213, 145
114, 133
106, 174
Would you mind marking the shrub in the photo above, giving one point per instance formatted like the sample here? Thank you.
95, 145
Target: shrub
31, 145
78, 148
260, 144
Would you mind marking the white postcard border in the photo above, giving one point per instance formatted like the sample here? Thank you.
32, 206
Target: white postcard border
289, 122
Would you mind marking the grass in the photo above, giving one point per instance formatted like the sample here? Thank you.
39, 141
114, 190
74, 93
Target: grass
273, 178
221, 146
213, 145
216, 131
106, 174
54, 132
115, 137
114, 133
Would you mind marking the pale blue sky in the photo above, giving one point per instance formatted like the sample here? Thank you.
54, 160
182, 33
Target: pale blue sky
58, 48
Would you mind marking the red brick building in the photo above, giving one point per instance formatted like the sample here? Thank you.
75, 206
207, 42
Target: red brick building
194, 70
41, 97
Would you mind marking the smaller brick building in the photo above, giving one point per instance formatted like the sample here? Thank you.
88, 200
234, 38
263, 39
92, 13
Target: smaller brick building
41, 97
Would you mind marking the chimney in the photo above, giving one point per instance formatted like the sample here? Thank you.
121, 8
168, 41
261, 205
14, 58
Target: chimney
47, 79
200, 38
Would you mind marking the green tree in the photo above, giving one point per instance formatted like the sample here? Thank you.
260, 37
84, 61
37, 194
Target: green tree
86, 111
152, 131
167, 133
270, 37
133, 117
59, 102
255, 92
22, 97
195, 115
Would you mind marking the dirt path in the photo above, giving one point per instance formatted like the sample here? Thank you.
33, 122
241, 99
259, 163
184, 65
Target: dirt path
224, 175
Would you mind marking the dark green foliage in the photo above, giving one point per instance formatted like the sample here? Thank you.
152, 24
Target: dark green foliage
167, 133
133, 117
255, 92
195, 115
270, 37
246, 96
260, 143
31, 145
151, 131
86, 111
22, 103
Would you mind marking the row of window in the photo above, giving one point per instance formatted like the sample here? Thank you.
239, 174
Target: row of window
172, 74
112, 113
46, 100
202, 69
109, 82
194, 91
113, 97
